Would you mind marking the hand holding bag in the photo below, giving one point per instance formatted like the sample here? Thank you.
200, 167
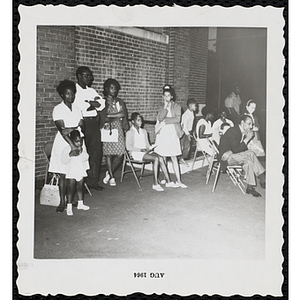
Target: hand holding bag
50, 192
109, 135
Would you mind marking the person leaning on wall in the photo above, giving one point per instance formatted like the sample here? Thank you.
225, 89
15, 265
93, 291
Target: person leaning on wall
91, 105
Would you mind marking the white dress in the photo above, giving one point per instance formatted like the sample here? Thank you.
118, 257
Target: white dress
71, 118
167, 141
203, 143
76, 165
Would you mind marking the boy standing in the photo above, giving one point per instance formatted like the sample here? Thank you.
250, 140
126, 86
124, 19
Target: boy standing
187, 121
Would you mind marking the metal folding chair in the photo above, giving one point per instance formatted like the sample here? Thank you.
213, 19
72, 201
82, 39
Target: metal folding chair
47, 152
235, 172
199, 149
128, 161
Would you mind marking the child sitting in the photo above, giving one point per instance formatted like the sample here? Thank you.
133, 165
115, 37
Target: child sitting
139, 148
77, 164
223, 128
187, 121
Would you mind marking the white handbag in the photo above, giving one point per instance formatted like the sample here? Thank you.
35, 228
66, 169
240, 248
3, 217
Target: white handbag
50, 192
109, 135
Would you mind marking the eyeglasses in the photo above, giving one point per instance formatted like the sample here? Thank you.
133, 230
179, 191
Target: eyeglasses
87, 76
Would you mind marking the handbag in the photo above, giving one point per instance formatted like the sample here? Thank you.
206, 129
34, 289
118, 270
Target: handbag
109, 135
50, 192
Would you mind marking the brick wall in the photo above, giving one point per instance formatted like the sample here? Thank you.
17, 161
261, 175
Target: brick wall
188, 63
138, 64
198, 63
55, 62
142, 66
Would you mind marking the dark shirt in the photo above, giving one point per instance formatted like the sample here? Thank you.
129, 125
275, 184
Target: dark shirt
231, 141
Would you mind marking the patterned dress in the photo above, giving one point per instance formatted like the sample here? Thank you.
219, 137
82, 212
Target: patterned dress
111, 148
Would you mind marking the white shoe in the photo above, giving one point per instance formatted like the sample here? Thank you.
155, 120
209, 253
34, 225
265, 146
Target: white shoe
163, 181
182, 185
157, 187
172, 184
106, 178
69, 209
183, 162
112, 182
82, 206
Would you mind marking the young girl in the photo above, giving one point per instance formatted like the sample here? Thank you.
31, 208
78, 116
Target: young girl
204, 130
255, 144
168, 131
77, 164
139, 148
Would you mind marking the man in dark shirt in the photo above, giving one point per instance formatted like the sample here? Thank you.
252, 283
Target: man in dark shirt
233, 149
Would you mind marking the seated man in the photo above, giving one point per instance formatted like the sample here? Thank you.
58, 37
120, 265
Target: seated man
233, 149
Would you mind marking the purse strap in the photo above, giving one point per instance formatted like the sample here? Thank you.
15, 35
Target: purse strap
55, 177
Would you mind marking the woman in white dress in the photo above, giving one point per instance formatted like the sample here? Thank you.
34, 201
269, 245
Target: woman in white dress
66, 118
204, 130
168, 131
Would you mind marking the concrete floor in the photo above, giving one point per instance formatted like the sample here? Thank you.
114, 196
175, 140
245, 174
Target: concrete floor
177, 223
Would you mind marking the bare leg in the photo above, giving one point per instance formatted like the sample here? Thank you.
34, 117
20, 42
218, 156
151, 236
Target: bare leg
62, 192
109, 165
176, 168
154, 159
80, 189
71, 184
164, 168
116, 162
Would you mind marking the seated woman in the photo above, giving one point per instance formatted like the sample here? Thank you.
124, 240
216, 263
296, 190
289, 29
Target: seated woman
204, 130
139, 148
255, 144
216, 129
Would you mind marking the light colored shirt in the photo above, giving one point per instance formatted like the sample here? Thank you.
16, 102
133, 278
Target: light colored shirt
187, 121
135, 141
87, 94
233, 101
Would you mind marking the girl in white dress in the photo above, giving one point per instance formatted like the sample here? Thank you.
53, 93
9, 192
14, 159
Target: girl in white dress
139, 148
204, 131
77, 165
168, 131
66, 118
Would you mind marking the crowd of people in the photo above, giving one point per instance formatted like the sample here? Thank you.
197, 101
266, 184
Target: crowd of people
92, 124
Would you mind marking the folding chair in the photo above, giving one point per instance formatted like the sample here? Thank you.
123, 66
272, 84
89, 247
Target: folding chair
47, 152
199, 149
235, 172
128, 161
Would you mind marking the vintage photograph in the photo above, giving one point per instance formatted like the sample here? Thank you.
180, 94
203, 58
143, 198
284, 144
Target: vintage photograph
152, 147
186, 106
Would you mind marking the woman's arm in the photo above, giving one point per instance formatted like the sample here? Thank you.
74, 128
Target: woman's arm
177, 118
201, 134
65, 132
162, 113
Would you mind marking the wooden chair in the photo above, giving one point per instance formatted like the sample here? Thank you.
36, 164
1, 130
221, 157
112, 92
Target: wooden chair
235, 172
128, 161
47, 152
